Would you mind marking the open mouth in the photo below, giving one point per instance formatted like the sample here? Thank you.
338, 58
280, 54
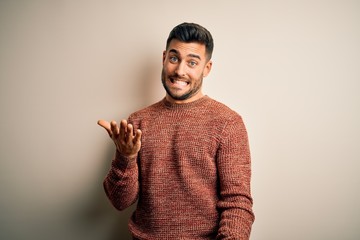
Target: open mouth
179, 83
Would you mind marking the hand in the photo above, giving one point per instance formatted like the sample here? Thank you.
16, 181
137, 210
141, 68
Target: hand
126, 141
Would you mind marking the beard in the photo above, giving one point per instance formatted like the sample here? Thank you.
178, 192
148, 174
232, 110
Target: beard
191, 92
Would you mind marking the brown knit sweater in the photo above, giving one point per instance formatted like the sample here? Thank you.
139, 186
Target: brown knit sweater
191, 177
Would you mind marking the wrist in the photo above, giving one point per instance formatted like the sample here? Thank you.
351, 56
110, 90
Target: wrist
125, 157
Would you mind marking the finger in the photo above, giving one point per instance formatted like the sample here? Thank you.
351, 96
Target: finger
130, 133
123, 128
105, 125
114, 129
137, 137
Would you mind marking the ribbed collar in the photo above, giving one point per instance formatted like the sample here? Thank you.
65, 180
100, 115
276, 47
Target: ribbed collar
188, 105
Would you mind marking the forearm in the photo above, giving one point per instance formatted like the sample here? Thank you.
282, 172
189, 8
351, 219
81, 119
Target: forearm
235, 203
236, 218
121, 183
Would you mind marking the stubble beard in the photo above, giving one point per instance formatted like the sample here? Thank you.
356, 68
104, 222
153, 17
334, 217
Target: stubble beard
196, 88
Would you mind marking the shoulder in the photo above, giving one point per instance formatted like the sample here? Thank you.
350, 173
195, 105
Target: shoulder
222, 111
228, 120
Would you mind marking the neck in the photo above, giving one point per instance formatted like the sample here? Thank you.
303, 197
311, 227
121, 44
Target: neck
191, 99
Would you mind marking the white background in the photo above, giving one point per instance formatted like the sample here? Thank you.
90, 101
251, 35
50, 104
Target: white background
290, 68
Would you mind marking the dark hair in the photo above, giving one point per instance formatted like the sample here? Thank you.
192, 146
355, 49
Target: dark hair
192, 32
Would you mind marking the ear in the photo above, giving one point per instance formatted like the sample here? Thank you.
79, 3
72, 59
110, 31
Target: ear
207, 68
164, 56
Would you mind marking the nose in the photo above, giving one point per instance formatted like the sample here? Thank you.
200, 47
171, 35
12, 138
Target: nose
180, 69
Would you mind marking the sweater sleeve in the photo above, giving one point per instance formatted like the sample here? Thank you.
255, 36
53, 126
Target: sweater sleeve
121, 184
234, 168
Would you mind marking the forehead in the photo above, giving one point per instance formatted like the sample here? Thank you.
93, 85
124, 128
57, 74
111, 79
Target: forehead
184, 48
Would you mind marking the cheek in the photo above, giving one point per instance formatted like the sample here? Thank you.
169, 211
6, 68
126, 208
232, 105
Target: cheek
195, 74
168, 68
204, 72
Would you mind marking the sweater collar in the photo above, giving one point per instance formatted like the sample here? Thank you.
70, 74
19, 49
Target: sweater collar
188, 105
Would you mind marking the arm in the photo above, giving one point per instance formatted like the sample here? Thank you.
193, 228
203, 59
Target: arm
121, 184
234, 168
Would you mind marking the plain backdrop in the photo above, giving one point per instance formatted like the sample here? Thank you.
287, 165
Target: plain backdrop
291, 69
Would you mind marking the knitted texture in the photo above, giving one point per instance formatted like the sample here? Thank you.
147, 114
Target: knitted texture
191, 177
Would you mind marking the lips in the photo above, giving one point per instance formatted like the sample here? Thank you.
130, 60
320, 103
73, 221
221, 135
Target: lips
179, 83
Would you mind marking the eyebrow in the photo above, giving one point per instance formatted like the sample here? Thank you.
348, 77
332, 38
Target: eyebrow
189, 55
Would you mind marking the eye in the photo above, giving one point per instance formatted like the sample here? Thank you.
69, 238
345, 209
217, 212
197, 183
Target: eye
192, 63
173, 59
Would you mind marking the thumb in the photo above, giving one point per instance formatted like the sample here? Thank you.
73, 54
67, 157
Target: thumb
106, 126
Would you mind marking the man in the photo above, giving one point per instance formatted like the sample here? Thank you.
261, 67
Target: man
186, 158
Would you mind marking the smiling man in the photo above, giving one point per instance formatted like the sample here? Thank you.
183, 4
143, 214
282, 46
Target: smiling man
184, 66
186, 158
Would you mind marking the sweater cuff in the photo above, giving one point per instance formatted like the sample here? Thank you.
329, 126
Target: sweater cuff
122, 161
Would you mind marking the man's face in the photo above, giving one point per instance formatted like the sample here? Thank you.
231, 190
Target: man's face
184, 66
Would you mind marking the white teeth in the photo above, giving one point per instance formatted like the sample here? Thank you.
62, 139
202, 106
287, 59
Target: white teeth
180, 83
